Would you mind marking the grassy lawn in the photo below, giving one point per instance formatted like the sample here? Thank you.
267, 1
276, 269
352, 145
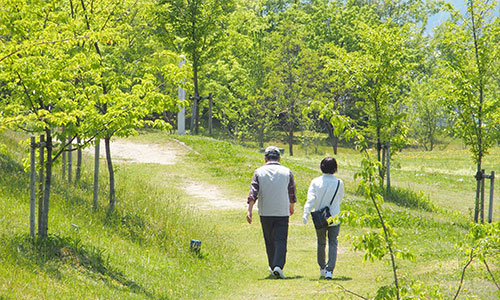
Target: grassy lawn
142, 250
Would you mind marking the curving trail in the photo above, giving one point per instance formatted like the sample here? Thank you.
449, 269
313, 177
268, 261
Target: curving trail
207, 196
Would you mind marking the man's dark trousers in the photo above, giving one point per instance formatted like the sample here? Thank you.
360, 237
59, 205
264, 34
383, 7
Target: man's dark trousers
275, 230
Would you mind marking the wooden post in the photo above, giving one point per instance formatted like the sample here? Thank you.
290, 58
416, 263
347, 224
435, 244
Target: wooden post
210, 103
481, 210
96, 175
492, 189
32, 187
388, 165
40, 183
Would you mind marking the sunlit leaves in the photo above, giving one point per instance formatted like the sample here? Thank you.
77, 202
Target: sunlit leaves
468, 56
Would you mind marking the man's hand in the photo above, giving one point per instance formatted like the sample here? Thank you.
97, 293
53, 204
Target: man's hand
249, 213
304, 219
291, 208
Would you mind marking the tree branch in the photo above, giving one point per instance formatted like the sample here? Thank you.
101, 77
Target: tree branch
471, 257
351, 292
491, 274
25, 89
43, 43
109, 16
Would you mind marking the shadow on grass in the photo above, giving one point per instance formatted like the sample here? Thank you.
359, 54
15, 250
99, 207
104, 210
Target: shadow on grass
55, 252
338, 278
271, 277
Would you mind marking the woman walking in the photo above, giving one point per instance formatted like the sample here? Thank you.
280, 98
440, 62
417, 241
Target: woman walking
321, 191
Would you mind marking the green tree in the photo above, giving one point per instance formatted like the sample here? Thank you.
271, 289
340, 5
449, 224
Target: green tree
38, 72
239, 76
200, 28
426, 114
379, 74
468, 54
132, 74
286, 75
64, 64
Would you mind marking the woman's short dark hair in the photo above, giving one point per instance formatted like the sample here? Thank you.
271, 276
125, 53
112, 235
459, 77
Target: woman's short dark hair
328, 165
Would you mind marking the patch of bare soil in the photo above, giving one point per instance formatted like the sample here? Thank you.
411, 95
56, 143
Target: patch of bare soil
211, 196
144, 153
207, 196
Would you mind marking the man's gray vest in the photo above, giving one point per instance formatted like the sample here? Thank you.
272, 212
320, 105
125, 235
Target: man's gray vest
273, 190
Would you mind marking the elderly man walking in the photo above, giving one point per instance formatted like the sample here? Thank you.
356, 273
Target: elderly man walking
274, 186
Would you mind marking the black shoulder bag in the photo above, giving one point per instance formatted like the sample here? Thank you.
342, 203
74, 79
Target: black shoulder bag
320, 217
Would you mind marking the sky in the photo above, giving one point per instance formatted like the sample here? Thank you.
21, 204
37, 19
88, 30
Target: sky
441, 17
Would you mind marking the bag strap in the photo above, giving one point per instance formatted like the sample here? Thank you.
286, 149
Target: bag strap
335, 194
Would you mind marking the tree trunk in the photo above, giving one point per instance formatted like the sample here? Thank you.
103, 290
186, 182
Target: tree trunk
64, 161
333, 139
192, 128
378, 137
478, 191
112, 195
196, 108
40, 183
210, 104
48, 180
261, 136
479, 113
388, 167
32, 186
78, 161
291, 126
96, 175
70, 160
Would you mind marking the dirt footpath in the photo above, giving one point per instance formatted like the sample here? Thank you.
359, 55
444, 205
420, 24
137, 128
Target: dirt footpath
208, 196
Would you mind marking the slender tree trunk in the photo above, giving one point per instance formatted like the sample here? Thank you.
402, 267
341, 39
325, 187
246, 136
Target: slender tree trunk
210, 104
388, 167
96, 175
261, 136
64, 161
291, 127
32, 186
481, 99
48, 181
192, 128
333, 139
389, 245
40, 183
196, 108
379, 139
112, 195
78, 161
478, 192
70, 161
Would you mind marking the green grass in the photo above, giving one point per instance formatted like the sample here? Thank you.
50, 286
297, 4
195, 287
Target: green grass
142, 250
139, 252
